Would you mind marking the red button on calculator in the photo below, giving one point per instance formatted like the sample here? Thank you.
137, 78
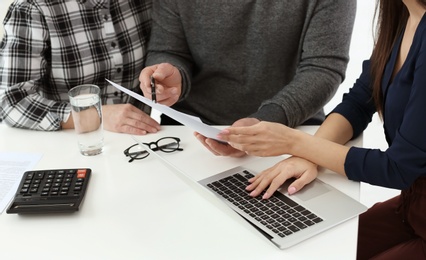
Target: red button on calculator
81, 173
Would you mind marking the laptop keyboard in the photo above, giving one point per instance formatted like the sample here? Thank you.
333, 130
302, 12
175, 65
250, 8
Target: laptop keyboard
279, 213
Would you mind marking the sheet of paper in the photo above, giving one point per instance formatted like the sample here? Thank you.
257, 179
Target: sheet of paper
12, 167
190, 121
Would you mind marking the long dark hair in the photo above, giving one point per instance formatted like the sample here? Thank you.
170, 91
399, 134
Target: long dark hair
391, 18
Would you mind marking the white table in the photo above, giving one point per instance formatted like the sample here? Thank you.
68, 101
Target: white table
141, 210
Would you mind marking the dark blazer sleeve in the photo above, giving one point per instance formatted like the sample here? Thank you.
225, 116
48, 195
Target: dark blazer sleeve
357, 105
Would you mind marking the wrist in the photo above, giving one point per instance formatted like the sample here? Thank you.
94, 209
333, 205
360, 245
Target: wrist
295, 142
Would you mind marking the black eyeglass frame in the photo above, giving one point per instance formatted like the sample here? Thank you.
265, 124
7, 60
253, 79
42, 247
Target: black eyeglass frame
153, 146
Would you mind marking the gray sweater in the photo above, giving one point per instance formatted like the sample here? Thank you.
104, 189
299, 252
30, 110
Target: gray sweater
278, 61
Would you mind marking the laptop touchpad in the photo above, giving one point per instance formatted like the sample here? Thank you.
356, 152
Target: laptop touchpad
310, 191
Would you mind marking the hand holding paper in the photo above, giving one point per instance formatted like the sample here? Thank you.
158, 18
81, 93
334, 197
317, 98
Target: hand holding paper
187, 120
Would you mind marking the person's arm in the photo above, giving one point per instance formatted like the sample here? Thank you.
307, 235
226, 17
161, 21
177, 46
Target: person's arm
326, 148
24, 64
403, 162
166, 35
321, 67
347, 121
397, 167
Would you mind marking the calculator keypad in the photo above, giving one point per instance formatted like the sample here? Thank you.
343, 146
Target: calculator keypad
54, 182
47, 191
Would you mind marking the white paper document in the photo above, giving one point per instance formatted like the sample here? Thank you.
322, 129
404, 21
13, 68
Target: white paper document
190, 121
12, 167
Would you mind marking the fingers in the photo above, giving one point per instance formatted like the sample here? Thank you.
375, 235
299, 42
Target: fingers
125, 118
240, 138
168, 83
270, 179
224, 149
141, 121
217, 148
202, 140
243, 137
167, 96
301, 182
236, 131
145, 79
273, 178
163, 71
159, 71
146, 125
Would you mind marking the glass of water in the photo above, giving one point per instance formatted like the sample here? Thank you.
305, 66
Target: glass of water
87, 115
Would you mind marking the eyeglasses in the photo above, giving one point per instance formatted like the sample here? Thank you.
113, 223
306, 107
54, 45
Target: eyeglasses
165, 144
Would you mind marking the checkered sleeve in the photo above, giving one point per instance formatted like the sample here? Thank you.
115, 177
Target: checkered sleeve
24, 56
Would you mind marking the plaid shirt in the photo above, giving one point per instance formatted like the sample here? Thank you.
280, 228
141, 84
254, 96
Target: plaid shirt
51, 46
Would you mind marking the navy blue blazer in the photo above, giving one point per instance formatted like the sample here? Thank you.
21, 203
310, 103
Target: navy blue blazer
404, 118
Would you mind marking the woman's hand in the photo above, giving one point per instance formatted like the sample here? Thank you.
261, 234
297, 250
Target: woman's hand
271, 179
224, 149
126, 118
261, 139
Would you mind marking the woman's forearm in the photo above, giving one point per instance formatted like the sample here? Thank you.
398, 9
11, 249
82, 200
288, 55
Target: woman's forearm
336, 129
320, 151
326, 148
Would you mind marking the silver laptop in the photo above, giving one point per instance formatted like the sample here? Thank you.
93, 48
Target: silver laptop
284, 220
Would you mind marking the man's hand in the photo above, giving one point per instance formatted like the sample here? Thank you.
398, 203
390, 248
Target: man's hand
168, 83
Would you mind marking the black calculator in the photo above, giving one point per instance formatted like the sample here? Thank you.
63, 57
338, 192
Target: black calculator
50, 191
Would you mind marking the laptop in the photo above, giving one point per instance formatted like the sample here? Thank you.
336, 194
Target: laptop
285, 220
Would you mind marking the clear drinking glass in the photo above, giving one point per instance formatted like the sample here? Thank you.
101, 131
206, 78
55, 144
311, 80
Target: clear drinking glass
87, 115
